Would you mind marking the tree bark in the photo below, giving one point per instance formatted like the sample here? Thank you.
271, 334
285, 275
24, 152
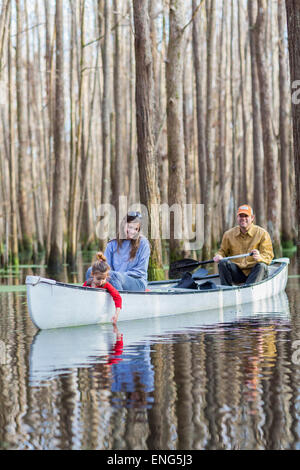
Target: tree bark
293, 24
268, 143
74, 203
149, 191
55, 258
23, 163
14, 254
209, 136
222, 104
176, 189
233, 115
243, 78
106, 107
4, 15
284, 127
118, 174
199, 102
258, 157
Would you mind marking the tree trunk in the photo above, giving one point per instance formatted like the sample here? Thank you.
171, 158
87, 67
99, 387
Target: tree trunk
199, 102
106, 108
284, 126
222, 117
55, 258
23, 163
34, 207
74, 203
268, 144
119, 177
4, 15
176, 189
209, 136
258, 157
293, 23
149, 191
132, 158
14, 255
243, 196
187, 136
50, 84
85, 228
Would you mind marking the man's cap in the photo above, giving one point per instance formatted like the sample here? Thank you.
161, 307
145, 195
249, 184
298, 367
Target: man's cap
245, 209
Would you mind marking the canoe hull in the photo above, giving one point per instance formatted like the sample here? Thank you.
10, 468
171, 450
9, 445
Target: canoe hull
54, 305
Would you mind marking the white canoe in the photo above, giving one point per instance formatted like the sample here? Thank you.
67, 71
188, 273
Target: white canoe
60, 351
55, 304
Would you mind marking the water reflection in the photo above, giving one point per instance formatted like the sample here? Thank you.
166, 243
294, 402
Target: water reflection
218, 380
60, 350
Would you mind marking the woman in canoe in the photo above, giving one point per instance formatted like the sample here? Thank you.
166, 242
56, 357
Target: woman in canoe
98, 279
128, 256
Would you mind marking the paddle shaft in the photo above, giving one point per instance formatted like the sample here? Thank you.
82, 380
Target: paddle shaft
198, 263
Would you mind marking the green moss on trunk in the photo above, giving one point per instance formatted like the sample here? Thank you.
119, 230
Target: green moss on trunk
155, 271
277, 249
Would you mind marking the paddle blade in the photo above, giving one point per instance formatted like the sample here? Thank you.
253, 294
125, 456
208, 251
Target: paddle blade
200, 273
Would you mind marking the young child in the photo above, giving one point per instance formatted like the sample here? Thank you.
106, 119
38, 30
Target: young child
98, 279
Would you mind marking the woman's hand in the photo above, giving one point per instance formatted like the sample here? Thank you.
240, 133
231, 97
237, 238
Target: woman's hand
116, 315
217, 258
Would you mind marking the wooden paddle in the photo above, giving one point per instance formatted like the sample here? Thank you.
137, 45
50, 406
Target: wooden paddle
190, 264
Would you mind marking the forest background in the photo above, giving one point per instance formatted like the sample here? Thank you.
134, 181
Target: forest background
161, 102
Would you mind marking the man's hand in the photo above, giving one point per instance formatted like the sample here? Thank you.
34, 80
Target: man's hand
256, 255
217, 258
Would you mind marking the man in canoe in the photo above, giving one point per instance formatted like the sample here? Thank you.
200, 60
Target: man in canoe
244, 238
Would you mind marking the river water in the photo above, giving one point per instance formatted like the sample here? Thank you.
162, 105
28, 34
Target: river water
216, 380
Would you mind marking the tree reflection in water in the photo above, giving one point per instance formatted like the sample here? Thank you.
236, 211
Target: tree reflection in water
228, 385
